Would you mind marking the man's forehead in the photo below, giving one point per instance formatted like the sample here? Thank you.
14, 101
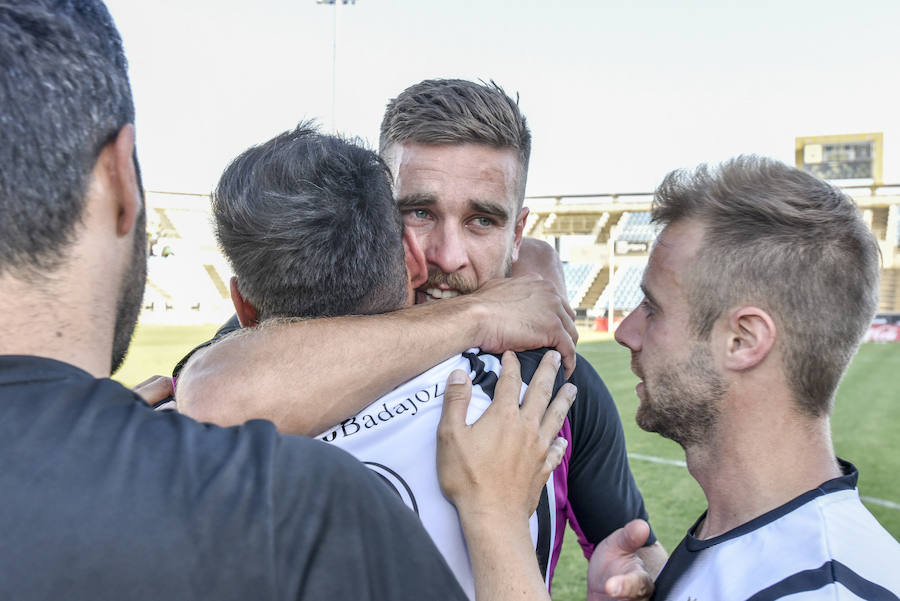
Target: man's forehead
470, 172
678, 241
673, 253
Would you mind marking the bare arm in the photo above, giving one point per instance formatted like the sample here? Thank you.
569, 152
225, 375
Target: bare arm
536, 256
308, 375
493, 471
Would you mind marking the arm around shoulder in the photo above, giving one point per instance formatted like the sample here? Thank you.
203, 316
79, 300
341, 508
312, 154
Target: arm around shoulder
297, 373
538, 257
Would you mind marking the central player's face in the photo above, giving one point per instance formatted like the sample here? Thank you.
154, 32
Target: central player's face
680, 384
461, 202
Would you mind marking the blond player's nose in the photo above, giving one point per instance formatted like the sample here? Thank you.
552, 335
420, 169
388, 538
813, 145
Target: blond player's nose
447, 250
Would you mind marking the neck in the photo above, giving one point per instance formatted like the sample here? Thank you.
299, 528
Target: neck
62, 316
752, 466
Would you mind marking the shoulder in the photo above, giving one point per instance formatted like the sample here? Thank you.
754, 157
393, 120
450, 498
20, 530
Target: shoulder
587, 378
594, 405
227, 328
860, 549
529, 361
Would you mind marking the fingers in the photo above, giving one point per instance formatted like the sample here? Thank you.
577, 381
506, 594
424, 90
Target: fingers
557, 411
566, 348
535, 407
634, 586
569, 324
555, 454
456, 402
633, 535
155, 389
569, 310
509, 384
540, 389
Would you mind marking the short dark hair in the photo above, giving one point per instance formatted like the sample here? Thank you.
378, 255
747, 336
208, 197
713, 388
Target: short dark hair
456, 111
64, 94
789, 242
310, 227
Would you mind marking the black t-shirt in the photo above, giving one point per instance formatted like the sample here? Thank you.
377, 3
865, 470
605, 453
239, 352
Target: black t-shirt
103, 498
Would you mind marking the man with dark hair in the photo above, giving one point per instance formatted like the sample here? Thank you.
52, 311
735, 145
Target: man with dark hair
309, 224
757, 294
459, 154
88, 511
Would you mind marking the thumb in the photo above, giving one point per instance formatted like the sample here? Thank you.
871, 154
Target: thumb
633, 536
456, 401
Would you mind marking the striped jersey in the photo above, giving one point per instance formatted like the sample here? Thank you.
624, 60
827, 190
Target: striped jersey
395, 437
823, 545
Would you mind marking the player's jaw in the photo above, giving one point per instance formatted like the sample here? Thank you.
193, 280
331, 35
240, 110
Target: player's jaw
440, 286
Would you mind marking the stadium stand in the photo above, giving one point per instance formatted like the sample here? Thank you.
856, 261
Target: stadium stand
897, 237
187, 276
636, 227
191, 284
625, 288
576, 277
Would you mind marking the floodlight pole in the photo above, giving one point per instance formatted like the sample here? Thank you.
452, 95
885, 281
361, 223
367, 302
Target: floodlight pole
334, 44
610, 316
334, 35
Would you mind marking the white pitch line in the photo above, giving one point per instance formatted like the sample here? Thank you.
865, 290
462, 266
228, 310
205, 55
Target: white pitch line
881, 502
679, 463
651, 458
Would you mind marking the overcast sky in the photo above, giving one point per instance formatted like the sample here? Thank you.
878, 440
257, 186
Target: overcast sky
617, 93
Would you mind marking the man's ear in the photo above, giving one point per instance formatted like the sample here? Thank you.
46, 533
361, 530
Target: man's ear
245, 311
520, 229
123, 180
416, 265
750, 336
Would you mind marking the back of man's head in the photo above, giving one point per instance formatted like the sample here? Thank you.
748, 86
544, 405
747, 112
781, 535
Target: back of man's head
456, 111
309, 224
64, 94
781, 239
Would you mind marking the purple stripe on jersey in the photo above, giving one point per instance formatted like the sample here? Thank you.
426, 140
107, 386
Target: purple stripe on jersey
561, 494
586, 545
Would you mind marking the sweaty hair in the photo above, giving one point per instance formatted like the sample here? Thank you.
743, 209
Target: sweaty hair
790, 243
64, 94
456, 111
309, 224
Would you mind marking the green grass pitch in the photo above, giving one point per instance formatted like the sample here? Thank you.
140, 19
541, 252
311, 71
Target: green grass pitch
865, 428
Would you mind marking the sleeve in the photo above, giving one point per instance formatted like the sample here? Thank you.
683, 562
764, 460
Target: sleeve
343, 534
602, 493
227, 328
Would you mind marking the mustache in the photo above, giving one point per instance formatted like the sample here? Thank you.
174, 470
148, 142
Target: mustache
636, 367
437, 278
